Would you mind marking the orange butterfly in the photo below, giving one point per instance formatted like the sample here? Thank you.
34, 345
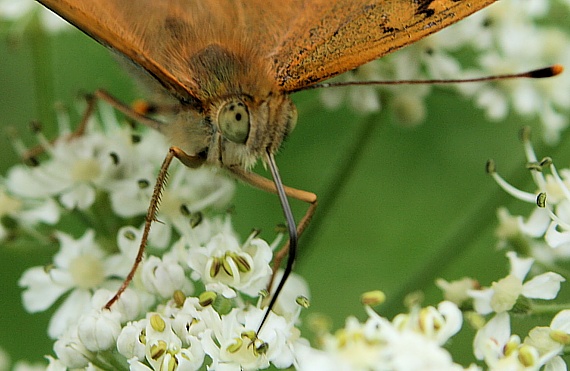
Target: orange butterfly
227, 67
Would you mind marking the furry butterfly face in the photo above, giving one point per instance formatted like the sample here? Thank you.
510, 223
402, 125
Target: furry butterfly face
239, 114
234, 132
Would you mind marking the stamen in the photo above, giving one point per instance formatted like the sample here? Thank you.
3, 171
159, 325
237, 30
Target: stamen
302, 301
207, 298
195, 219
373, 298
179, 298
513, 191
235, 346
157, 323
157, 350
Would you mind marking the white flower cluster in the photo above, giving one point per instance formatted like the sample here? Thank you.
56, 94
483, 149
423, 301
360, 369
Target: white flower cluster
410, 341
507, 37
545, 234
192, 300
541, 238
494, 344
414, 341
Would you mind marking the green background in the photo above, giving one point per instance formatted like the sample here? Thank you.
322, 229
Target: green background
399, 207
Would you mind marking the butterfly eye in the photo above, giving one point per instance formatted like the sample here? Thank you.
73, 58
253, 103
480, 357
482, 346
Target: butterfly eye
233, 120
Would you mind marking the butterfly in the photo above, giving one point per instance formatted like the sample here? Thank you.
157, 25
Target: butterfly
227, 68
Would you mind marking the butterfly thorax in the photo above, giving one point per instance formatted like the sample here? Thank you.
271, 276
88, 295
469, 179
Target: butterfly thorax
239, 113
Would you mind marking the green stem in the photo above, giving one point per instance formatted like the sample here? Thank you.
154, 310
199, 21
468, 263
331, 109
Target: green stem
548, 309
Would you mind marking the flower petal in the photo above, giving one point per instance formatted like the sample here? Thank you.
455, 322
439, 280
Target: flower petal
561, 321
544, 286
41, 292
519, 266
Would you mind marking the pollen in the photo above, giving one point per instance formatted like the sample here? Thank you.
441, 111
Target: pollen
9, 205
85, 170
87, 271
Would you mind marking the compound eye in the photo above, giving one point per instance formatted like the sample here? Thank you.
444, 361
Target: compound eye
233, 120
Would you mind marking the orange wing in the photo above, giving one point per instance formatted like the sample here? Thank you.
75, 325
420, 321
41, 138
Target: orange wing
119, 25
161, 36
331, 37
300, 42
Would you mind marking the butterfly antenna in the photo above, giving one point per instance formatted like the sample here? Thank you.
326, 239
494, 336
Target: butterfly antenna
540, 73
292, 229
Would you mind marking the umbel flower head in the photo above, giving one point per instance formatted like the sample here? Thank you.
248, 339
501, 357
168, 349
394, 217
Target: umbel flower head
194, 299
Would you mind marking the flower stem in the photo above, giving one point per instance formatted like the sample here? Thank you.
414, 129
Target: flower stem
548, 309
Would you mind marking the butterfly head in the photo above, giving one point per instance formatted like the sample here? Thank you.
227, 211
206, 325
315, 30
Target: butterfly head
237, 130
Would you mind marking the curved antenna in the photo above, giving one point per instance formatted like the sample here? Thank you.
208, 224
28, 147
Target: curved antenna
540, 73
292, 229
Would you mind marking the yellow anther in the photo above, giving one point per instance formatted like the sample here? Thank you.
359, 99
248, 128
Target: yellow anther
157, 323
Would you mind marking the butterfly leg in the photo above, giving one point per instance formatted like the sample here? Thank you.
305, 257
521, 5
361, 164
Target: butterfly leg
173, 152
128, 111
187, 160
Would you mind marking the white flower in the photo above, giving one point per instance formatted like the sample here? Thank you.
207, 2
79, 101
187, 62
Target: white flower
491, 339
232, 343
71, 351
551, 221
223, 265
309, 359
438, 324
27, 213
188, 321
98, 329
130, 340
295, 287
163, 349
503, 294
55, 364
457, 291
410, 342
427, 355
503, 351
75, 168
550, 341
355, 347
79, 268
164, 276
